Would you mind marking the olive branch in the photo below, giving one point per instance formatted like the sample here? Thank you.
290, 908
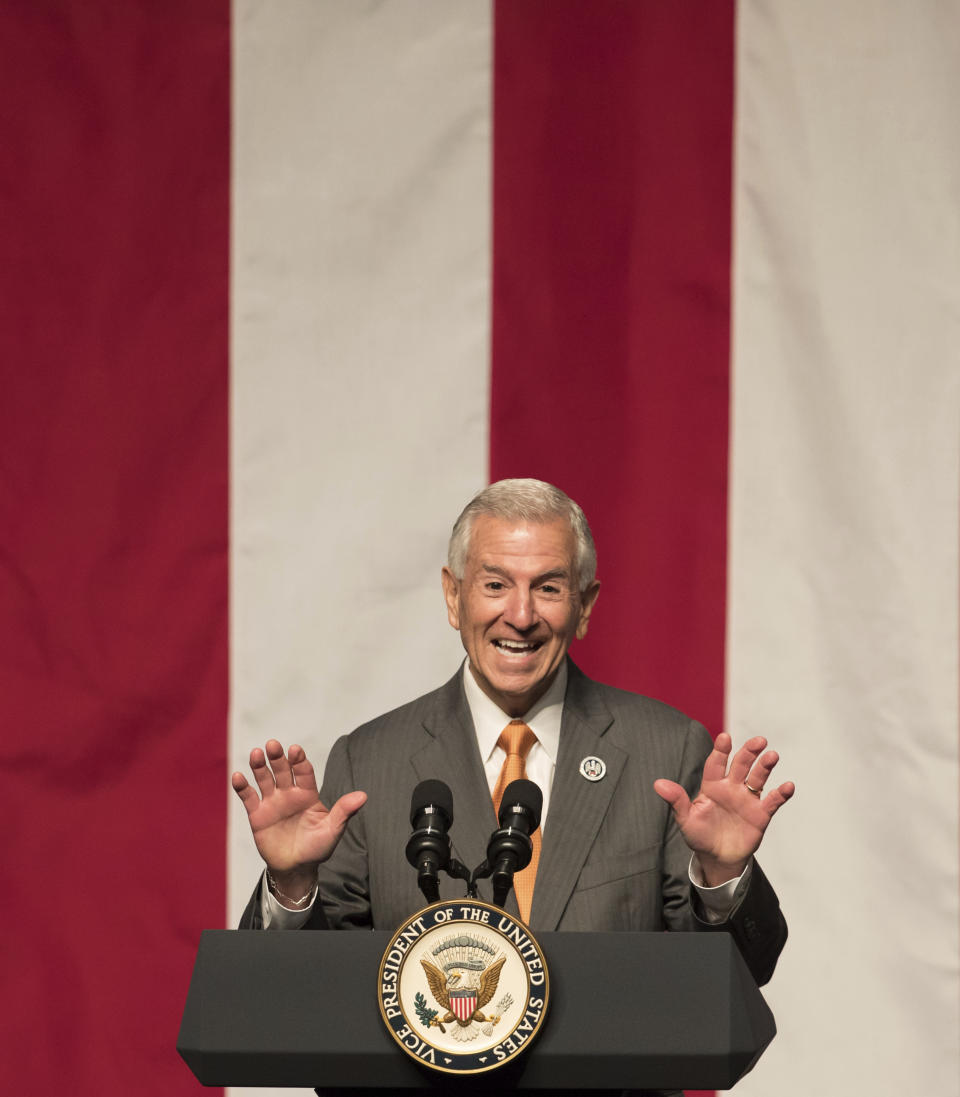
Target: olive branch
427, 1016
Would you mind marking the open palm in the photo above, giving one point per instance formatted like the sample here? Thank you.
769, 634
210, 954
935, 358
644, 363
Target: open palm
291, 827
725, 823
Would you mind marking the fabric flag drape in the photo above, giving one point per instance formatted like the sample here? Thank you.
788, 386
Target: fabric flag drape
114, 126
286, 283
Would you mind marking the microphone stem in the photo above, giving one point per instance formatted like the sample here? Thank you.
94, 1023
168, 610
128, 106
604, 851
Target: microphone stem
428, 881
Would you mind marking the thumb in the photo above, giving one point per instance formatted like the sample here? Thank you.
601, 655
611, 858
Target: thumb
342, 811
675, 795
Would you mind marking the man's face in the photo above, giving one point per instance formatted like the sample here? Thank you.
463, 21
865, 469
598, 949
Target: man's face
518, 606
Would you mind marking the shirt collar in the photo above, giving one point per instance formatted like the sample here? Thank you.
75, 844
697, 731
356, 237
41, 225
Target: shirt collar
489, 719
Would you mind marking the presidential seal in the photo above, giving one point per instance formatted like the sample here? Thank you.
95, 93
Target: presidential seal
463, 987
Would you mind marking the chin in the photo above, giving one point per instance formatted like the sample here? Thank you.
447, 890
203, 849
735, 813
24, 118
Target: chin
519, 693
517, 685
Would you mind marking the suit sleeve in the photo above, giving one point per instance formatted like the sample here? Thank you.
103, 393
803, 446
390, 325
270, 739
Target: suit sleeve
345, 878
676, 888
755, 922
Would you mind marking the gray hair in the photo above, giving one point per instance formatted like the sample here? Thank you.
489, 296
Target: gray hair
524, 501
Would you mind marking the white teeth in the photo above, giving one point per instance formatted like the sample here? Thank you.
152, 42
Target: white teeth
516, 645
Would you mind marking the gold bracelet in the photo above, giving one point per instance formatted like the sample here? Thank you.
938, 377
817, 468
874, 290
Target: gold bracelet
272, 884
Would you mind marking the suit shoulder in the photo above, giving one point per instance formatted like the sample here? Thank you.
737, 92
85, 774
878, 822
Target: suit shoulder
624, 703
379, 753
642, 725
411, 715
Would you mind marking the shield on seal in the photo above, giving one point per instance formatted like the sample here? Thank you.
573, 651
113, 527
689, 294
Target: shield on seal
463, 1003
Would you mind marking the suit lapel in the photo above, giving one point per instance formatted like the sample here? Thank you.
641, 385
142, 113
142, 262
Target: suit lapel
451, 754
577, 806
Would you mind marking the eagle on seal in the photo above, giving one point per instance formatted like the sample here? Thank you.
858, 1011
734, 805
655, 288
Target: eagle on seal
440, 987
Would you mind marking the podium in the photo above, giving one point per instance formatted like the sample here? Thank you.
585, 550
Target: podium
626, 1011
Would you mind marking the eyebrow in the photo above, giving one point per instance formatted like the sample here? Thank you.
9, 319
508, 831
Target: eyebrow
554, 573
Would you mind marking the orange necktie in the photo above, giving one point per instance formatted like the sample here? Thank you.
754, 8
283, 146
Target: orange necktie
517, 739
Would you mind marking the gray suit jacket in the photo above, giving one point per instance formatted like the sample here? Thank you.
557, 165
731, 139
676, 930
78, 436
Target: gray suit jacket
612, 857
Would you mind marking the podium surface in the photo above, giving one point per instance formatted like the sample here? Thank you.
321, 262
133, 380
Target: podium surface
626, 1011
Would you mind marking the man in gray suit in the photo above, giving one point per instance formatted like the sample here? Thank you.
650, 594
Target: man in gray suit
646, 825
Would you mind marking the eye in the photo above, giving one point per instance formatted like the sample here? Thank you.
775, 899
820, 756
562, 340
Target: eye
493, 585
552, 590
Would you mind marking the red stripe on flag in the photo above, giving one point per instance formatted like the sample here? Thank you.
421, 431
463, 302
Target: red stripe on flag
611, 313
113, 529
611, 268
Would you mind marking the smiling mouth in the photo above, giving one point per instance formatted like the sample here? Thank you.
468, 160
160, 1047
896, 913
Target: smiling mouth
518, 647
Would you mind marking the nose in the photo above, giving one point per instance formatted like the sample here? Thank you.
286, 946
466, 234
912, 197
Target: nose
519, 612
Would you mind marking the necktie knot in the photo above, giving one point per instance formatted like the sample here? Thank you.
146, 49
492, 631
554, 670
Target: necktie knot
516, 739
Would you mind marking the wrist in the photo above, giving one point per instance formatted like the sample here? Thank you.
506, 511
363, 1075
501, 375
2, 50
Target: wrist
715, 873
294, 887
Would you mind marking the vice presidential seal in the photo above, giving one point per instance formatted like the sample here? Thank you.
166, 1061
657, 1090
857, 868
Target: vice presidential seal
463, 987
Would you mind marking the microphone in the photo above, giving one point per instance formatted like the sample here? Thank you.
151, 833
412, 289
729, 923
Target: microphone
510, 849
428, 848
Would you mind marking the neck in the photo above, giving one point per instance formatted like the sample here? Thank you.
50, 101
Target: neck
515, 706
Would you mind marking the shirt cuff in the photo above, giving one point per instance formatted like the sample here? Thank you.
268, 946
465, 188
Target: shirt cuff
277, 916
719, 901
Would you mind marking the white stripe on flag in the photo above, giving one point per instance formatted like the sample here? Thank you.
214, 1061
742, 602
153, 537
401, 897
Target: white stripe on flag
360, 296
843, 642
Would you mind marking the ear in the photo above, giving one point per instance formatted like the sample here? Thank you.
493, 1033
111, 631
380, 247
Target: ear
451, 595
588, 600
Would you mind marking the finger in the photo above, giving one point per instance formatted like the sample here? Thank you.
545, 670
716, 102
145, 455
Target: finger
715, 767
676, 796
776, 798
261, 773
246, 792
745, 757
282, 772
303, 772
341, 812
758, 776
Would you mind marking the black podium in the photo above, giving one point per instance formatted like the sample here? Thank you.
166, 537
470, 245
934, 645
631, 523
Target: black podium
627, 1011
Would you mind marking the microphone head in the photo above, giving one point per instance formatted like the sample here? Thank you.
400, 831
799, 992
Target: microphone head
432, 794
525, 796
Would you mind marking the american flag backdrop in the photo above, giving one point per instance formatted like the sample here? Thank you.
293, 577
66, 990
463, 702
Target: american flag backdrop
284, 283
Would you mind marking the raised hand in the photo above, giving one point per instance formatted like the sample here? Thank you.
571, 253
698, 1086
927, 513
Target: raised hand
293, 830
725, 824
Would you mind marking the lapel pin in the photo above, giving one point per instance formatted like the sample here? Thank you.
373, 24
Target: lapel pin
594, 769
